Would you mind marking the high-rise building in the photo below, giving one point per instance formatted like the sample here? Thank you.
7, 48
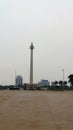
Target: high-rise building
18, 81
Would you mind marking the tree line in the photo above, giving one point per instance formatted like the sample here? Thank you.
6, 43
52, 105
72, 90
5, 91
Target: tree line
56, 85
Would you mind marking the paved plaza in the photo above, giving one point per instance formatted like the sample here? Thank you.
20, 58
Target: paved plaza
36, 110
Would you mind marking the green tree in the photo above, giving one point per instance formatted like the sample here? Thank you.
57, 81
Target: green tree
71, 79
56, 82
65, 83
60, 83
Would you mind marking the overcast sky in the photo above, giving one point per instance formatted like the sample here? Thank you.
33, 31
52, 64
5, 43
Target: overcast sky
46, 23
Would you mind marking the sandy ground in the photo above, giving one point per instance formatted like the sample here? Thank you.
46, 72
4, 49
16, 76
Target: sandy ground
36, 110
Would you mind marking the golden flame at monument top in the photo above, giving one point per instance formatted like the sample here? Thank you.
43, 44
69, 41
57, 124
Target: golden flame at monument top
32, 47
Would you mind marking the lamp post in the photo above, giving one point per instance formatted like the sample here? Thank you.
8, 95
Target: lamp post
63, 79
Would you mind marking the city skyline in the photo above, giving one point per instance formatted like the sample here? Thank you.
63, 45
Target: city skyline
49, 25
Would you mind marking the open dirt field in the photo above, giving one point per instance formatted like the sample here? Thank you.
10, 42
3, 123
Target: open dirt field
36, 110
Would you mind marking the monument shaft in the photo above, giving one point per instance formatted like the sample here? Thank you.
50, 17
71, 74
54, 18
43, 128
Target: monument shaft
31, 64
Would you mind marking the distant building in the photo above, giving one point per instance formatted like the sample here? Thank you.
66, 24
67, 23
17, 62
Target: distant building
18, 81
43, 83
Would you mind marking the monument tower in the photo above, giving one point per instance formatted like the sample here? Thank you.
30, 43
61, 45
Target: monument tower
31, 63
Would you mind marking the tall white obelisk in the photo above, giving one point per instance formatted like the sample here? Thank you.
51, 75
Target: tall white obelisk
31, 63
